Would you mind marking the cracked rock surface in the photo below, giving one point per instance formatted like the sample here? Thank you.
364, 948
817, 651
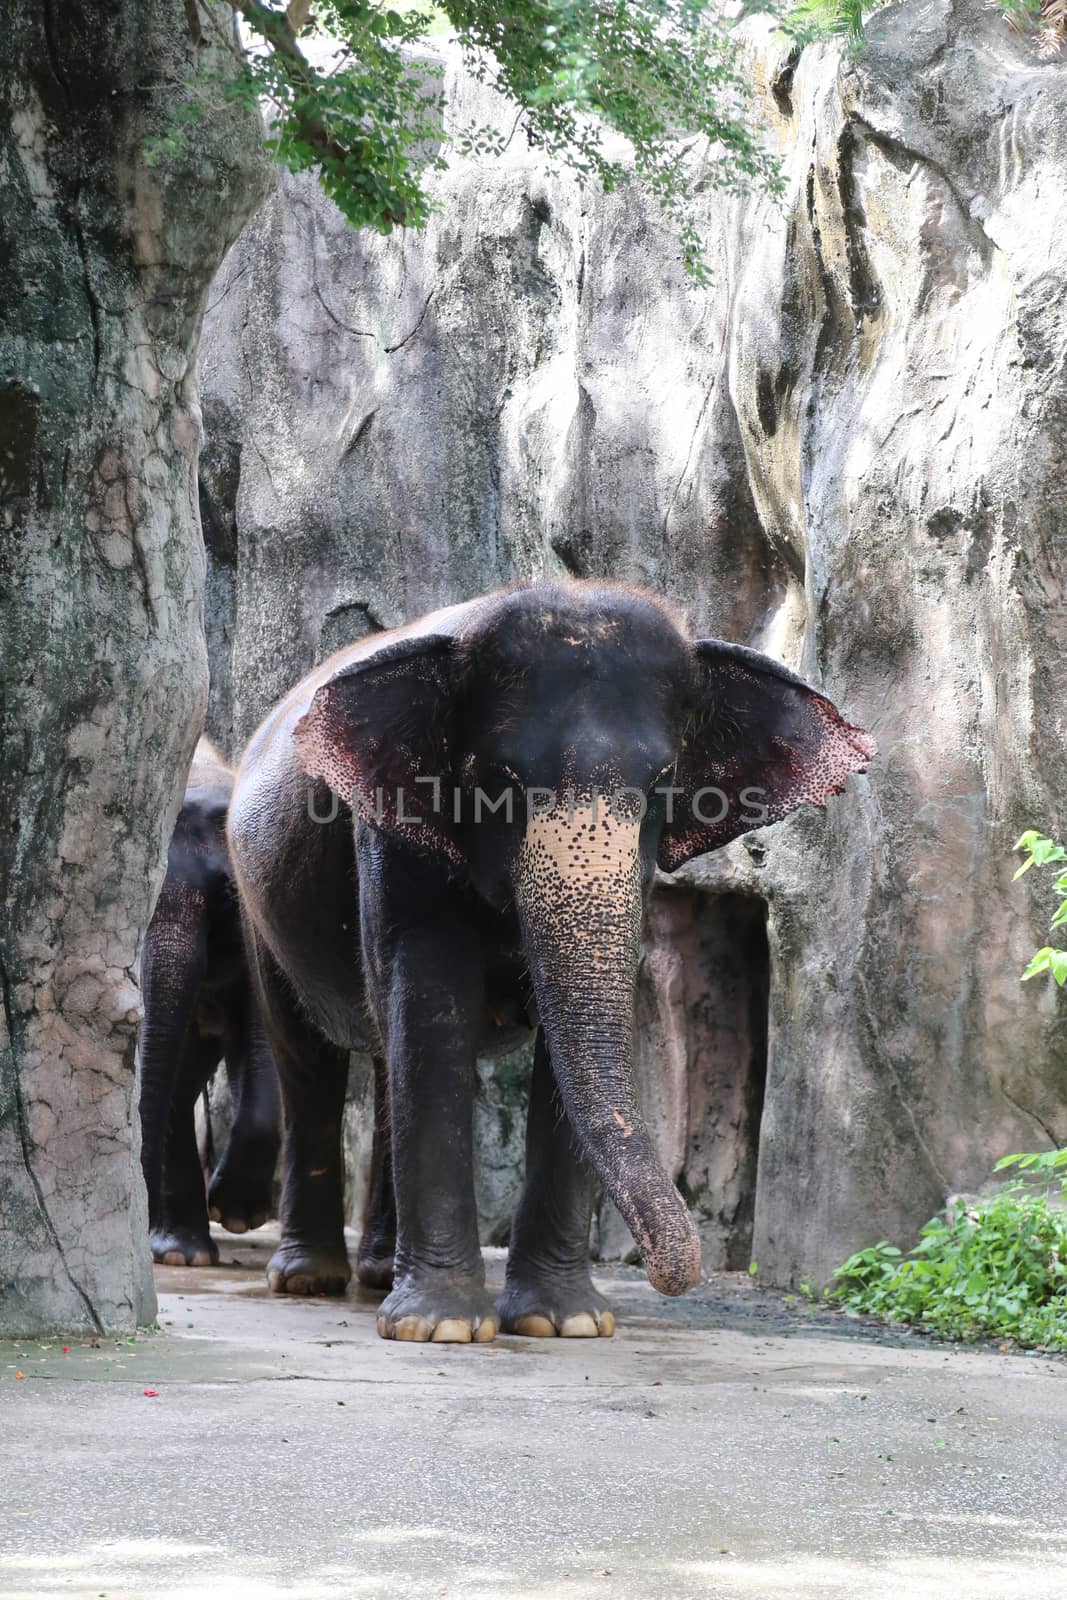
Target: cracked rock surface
848, 451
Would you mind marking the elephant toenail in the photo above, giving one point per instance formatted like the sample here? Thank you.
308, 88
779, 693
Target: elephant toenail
453, 1330
412, 1330
535, 1327
580, 1326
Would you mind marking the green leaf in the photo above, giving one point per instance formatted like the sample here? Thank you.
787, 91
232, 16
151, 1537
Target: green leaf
1040, 961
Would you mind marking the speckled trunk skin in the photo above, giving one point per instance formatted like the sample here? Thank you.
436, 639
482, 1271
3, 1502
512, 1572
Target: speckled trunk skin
104, 268
172, 970
578, 883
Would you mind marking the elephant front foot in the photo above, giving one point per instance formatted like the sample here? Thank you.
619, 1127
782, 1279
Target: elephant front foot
438, 1307
308, 1268
239, 1198
183, 1247
540, 1304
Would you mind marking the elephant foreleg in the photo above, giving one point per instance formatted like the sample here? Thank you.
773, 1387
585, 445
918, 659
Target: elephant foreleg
548, 1289
426, 977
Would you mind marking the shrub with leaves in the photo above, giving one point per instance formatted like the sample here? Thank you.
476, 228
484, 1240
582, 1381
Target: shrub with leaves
352, 96
1043, 852
995, 1268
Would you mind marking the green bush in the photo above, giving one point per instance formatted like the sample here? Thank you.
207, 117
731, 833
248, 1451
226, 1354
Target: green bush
995, 1268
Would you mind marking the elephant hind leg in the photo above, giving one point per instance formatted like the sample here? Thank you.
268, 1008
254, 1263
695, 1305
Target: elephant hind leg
313, 1073
180, 1234
548, 1289
377, 1246
241, 1195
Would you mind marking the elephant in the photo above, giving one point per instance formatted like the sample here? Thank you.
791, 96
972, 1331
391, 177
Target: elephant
200, 1006
443, 838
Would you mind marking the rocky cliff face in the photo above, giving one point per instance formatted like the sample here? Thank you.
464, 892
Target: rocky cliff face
848, 451
105, 266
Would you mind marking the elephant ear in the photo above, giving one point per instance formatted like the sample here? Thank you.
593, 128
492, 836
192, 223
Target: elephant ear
762, 743
379, 726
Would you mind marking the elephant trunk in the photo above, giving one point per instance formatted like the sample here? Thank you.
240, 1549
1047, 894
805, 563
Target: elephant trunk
578, 889
173, 965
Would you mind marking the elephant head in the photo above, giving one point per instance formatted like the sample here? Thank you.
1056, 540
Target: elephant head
555, 748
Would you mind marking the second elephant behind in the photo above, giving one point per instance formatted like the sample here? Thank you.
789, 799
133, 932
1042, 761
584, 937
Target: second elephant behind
200, 1006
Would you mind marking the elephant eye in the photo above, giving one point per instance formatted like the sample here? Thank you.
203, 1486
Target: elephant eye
501, 775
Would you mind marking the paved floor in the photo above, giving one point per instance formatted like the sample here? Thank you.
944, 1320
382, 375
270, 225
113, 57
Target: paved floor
724, 1446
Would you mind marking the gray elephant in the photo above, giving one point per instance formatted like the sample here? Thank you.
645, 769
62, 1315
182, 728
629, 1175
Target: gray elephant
444, 837
199, 1005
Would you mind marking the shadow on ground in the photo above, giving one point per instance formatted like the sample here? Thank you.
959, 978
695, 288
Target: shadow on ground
727, 1445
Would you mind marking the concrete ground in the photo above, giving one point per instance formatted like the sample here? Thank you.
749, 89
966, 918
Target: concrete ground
728, 1445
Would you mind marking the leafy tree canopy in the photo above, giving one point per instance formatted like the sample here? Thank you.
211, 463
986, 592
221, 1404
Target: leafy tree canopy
351, 96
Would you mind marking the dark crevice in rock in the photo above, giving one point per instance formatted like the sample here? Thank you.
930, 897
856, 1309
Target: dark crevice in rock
833, 329
541, 211
20, 415
390, 348
782, 82
362, 429
346, 622
567, 547
863, 285
75, 196
357, 333
771, 392
196, 33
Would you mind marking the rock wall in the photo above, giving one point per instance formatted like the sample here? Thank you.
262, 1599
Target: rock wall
105, 266
850, 450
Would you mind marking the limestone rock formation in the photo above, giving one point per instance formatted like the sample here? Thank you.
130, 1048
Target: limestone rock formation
850, 450
105, 264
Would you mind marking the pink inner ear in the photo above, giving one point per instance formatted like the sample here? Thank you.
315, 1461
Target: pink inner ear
322, 750
842, 750
835, 752
380, 783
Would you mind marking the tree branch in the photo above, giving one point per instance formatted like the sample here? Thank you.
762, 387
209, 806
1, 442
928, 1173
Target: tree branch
276, 28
